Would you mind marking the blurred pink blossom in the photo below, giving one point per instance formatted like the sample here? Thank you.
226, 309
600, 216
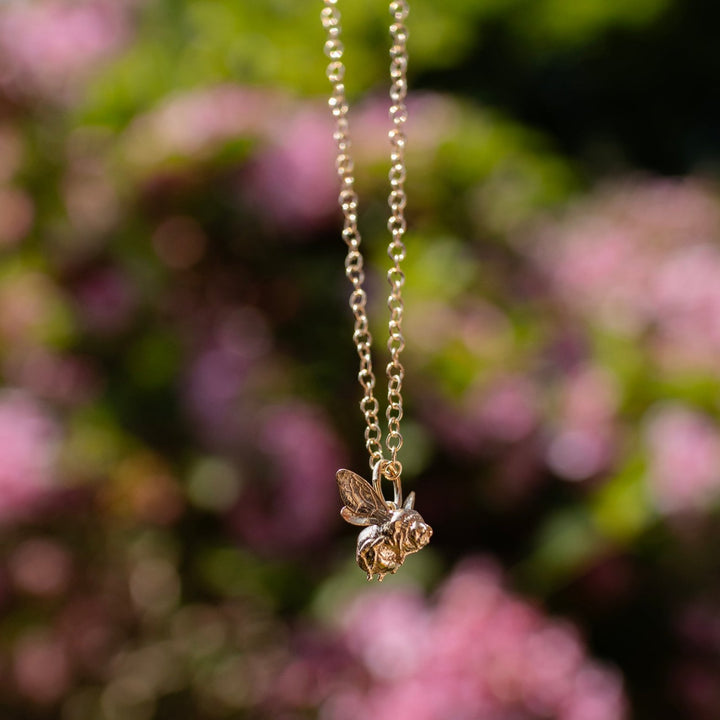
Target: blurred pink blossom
29, 438
29, 441
234, 347
642, 259
199, 123
508, 410
684, 449
17, 213
583, 441
63, 379
298, 504
294, 182
40, 566
47, 46
505, 410
291, 180
290, 450
478, 653
432, 117
40, 667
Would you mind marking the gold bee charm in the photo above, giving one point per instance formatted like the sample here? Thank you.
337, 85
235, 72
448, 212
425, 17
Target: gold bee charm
392, 531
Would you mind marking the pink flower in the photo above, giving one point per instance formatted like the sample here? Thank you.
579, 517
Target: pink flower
394, 648
508, 411
41, 668
29, 442
642, 259
17, 213
62, 379
234, 349
432, 118
41, 567
502, 412
684, 448
294, 183
199, 123
297, 504
583, 443
477, 653
47, 46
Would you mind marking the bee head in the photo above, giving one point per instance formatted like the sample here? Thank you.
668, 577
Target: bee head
416, 533
420, 532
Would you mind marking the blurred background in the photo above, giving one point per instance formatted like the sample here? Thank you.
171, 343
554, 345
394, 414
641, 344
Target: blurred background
179, 380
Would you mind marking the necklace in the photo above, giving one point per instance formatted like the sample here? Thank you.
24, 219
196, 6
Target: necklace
392, 528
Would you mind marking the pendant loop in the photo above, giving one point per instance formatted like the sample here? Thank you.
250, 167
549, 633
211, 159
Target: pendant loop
390, 470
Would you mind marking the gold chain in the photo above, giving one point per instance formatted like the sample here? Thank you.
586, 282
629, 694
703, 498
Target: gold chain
397, 226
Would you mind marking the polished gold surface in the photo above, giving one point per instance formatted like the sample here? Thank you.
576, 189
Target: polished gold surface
393, 529
348, 200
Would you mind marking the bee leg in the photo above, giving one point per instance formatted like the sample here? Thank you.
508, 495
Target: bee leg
369, 577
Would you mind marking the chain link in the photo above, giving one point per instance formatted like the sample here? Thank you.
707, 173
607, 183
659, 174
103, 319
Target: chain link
354, 263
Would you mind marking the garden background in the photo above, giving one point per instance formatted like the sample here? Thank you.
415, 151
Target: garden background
179, 380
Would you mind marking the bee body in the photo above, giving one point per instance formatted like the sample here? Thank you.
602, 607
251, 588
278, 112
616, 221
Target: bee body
376, 553
390, 533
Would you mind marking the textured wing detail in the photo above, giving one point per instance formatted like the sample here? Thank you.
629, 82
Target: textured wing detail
363, 506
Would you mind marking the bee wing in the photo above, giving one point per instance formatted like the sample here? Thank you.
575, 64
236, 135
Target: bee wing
363, 505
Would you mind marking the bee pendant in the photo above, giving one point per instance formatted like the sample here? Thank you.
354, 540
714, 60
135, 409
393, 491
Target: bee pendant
392, 531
